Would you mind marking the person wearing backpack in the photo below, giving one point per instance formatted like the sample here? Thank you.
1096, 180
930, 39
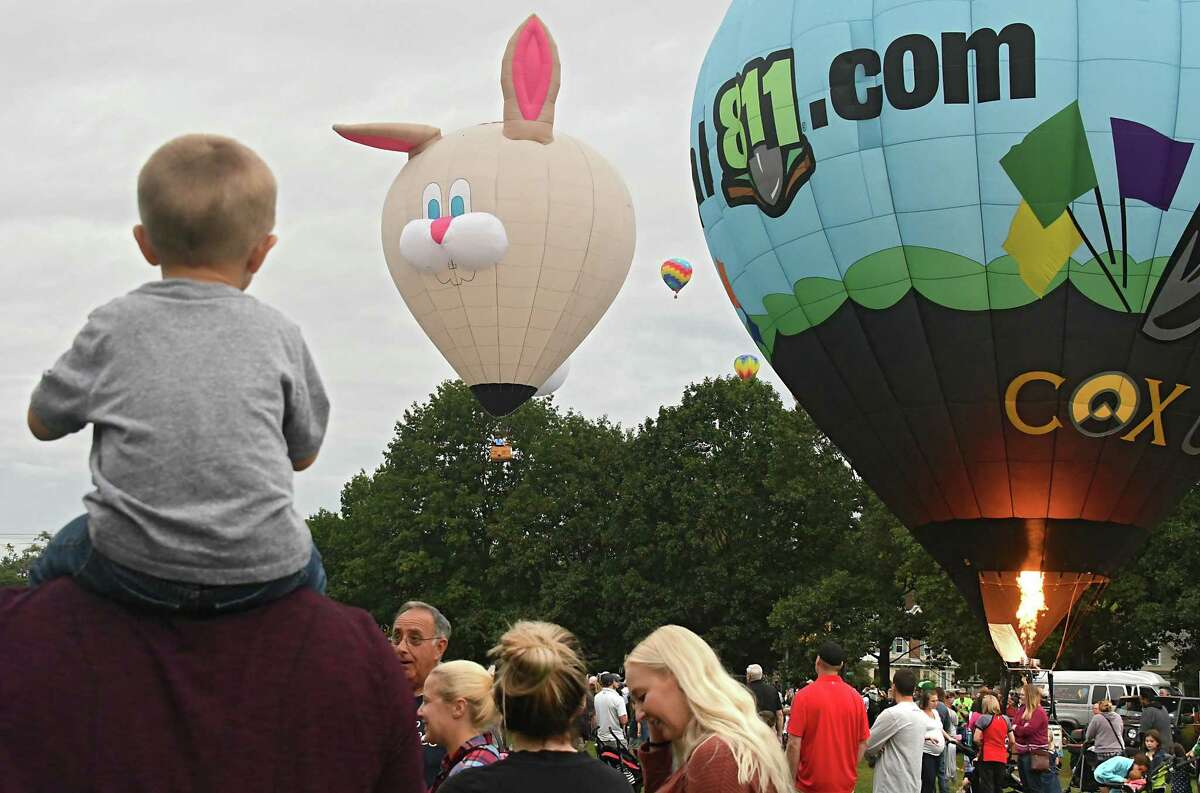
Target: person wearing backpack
991, 735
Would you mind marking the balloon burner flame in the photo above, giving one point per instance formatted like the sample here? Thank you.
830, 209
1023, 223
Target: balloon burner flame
1033, 603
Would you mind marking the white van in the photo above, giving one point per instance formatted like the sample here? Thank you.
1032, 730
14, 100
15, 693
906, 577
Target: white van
1076, 691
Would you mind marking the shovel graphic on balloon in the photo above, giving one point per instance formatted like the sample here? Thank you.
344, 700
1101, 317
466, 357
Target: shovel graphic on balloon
1174, 311
766, 173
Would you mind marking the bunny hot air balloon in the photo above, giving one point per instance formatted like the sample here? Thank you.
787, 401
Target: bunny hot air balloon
508, 241
966, 236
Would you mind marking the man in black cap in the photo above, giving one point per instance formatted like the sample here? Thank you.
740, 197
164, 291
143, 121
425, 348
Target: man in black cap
828, 729
611, 717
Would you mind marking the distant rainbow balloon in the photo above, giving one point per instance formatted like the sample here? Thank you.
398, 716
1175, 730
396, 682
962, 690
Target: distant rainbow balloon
675, 274
746, 366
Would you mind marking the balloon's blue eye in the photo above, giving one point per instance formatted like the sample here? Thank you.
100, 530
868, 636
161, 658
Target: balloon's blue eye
434, 210
457, 206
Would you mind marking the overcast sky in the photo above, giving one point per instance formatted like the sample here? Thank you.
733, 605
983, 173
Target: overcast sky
94, 88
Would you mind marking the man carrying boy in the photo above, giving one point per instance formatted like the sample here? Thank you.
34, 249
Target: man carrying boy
203, 402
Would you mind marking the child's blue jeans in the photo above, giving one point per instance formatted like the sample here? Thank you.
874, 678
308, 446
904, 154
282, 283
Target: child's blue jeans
70, 553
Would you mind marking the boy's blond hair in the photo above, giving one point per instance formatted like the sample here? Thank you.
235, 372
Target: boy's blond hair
205, 199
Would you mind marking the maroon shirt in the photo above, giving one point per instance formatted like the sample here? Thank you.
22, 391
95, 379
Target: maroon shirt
1035, 731
299, 695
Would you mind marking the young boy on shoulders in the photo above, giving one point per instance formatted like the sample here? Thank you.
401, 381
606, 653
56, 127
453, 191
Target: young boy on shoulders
202, 400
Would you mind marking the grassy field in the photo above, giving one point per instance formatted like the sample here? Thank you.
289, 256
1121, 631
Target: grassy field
866, 775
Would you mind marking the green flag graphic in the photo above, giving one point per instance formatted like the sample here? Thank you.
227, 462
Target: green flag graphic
1053, 165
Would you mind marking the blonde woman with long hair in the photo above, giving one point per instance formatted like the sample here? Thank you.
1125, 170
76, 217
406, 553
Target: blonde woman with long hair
705, 733
1032, 735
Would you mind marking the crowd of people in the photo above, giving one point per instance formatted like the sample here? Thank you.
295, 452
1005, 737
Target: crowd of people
693, 726
1160, 760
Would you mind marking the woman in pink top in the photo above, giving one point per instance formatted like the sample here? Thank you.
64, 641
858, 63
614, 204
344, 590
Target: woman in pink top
705, 734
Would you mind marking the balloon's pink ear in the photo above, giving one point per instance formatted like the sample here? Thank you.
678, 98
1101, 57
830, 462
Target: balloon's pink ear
529, 78
411, 139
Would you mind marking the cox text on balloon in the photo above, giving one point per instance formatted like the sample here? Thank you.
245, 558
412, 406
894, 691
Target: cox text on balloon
1101, 405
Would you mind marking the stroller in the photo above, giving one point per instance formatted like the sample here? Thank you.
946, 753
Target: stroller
617, 755
1160, 780
1157, 782
1083, 763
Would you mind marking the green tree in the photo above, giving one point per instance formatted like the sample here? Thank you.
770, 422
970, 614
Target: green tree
729, 501
14, 564
486, 542
951, 628
863, 599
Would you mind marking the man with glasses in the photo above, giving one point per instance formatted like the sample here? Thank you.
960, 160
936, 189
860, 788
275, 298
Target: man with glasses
420, 634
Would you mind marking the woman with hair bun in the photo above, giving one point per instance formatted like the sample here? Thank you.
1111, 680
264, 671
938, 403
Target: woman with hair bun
705, 734
459, 712
539, 691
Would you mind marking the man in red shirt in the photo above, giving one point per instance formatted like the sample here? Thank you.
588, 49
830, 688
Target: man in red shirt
299, 695
828, 729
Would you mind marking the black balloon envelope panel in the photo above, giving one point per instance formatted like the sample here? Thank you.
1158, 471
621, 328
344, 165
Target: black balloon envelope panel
975, 263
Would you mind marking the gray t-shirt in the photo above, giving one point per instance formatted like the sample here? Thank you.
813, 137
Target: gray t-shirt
200, 398
898, 739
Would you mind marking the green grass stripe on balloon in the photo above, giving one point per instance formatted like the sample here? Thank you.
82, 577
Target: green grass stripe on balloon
1006, 288
1089, 278
948, 279
880, 280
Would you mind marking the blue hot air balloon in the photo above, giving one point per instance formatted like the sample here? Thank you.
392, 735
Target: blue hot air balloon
965, 233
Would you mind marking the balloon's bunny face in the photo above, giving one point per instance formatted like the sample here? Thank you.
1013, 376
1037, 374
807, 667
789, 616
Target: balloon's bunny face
508, 241
450, 237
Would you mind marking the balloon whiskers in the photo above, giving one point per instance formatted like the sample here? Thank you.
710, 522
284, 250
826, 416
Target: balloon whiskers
455, 277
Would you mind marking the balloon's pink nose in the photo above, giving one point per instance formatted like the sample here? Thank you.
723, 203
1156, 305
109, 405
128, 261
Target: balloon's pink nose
439, 228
